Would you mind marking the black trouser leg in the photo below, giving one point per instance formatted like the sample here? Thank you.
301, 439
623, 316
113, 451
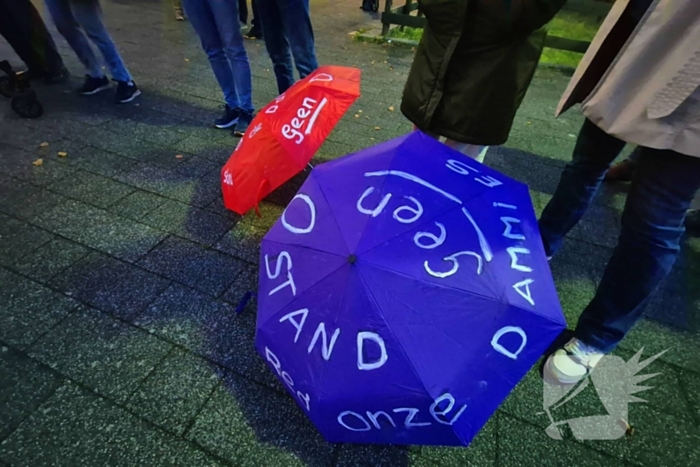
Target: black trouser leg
243, 11
25, 31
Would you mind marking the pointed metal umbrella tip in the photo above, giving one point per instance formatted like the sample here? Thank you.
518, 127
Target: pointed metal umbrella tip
352, 259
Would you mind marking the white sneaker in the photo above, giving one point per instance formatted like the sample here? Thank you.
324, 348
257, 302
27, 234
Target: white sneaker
573, 362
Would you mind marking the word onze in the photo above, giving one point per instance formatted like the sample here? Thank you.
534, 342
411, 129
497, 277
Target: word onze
354, 421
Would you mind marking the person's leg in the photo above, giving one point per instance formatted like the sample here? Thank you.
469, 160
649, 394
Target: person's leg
255, 22
243, 11
474, 151
202, 18
652, 226
67, 25
623, 171
89, 14
276, 43
255, 31
594, 152
300, 33
232, 41
25, 31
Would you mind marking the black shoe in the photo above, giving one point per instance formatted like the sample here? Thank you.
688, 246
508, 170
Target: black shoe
243, 123
127, 92
57, 77
228, 119
254, 33
93, 85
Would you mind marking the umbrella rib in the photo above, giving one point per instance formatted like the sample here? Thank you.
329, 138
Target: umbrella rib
325, 369
335, 220
500, 299
305, 247
495, 299
295, 299
379, 309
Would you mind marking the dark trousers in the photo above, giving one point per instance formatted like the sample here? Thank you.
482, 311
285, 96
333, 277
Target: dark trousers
25, 31
664, 184
288, 32
243, 12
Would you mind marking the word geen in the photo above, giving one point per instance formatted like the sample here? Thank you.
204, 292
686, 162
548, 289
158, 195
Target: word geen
310, 109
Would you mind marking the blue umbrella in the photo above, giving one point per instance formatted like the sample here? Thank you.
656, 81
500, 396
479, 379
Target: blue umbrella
404, 293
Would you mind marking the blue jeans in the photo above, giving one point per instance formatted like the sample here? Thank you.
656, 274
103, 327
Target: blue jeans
216, 23
663, 187
70, 16
288, 32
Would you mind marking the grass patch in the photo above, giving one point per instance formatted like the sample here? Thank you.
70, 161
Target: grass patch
405, 32
568, 24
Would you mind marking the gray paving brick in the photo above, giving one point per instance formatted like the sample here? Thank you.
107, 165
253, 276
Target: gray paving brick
100, 229
91, 189
106, 355
243, 240
138, 205
175, 392
652, 429
682, 345
189, 222
28, 310
26, 201
690, 385
524, 445
483, 450
215, 150
80, 429
172, 184
92, 159
206, 270
245, 283
357, 455
18, 239
113, 286
208, 327
255, 426
25, 385
20, 164
49, 259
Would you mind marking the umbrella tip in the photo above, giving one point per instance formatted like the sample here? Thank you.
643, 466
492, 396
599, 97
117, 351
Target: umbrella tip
352, 259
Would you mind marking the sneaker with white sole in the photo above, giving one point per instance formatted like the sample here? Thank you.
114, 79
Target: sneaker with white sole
127, 92
93, 85
573, 362
229, 117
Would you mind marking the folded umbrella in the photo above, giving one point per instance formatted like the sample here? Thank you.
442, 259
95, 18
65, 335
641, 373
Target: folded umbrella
285, 135
404, 293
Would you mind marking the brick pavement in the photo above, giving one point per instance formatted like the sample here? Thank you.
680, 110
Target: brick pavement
120, 271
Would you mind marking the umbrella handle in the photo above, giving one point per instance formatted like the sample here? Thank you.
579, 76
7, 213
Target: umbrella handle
259, 197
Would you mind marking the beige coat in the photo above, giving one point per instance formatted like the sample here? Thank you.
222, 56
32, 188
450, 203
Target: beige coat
642, 84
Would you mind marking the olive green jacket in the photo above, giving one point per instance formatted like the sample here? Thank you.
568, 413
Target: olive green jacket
473, 66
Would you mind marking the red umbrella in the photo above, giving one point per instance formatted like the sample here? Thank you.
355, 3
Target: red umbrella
286, 134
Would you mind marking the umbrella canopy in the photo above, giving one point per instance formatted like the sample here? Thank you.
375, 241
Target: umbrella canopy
404, 293
286, 134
